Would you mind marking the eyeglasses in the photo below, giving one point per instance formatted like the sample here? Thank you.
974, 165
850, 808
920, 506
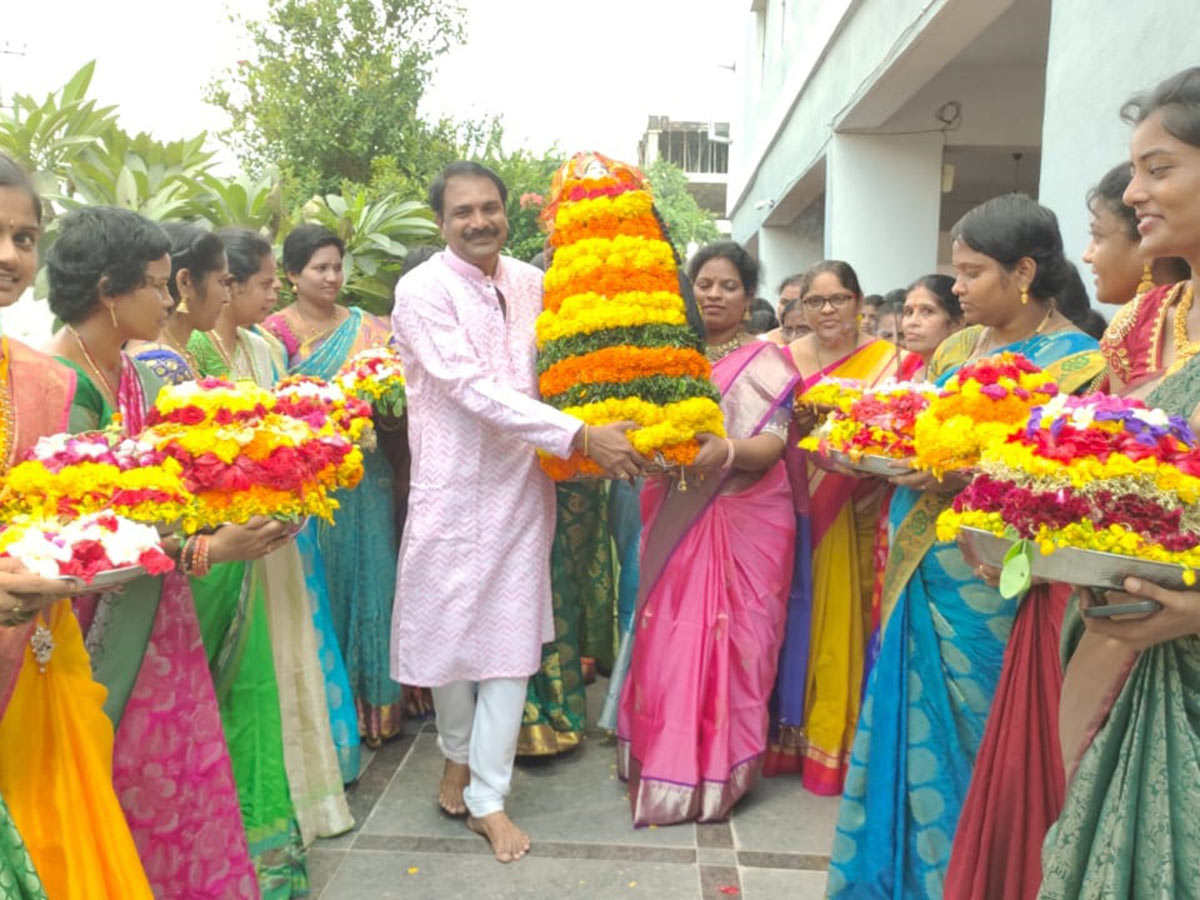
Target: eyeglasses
816, 302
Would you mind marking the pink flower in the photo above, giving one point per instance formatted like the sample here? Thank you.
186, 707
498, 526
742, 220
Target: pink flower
529, 200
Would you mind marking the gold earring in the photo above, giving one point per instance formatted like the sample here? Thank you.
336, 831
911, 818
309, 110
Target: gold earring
1147, 282
182, 306
1024, 296
112, 311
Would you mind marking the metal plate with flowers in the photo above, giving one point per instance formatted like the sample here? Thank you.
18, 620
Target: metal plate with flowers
885, 466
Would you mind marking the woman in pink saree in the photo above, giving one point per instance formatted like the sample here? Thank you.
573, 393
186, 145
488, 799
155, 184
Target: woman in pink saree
716, 567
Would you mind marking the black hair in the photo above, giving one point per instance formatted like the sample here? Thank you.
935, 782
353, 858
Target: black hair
894, 298
305, 240
195, 249
13, 175
1108, 193
791, 306
942, 289
1073, 295
462, 168
762, 317
1094, 324
100, 243
843, 270
1011, 227
746, 265
798, 278
245, 249
1179, 99
874, 300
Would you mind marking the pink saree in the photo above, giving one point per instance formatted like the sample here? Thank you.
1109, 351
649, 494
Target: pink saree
171, 764
716, 569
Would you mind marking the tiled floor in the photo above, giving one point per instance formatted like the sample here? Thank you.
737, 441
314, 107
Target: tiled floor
775, 847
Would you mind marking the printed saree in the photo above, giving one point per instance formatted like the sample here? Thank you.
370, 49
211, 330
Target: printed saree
927, 701
55, 740
1130, 824
171, 763
692, 725
582, 590
359, 551
829, 604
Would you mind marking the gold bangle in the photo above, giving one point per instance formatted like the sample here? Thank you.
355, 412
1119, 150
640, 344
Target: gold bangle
585, 439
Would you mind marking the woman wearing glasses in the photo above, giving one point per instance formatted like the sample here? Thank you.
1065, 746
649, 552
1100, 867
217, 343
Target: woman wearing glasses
821, 670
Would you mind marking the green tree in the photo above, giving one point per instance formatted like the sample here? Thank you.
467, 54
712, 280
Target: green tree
334, 84
527, 177
686, 220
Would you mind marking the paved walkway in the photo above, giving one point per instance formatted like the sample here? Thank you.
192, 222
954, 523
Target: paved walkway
775, 847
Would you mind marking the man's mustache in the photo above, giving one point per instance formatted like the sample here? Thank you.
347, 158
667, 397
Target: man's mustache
482, 232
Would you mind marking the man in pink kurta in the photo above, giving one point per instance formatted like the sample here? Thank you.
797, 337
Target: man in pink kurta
473, 587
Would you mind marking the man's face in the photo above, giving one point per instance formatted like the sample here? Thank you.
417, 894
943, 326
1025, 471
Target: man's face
473, 222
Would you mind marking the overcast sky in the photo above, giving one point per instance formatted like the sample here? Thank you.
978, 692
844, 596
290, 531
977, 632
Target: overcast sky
546, 66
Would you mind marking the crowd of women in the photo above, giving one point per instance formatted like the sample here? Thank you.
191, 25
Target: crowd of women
192, 734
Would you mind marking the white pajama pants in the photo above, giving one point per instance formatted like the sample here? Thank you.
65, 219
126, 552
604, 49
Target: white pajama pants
478, 725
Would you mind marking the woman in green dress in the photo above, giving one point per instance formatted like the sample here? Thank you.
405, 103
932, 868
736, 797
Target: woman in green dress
1130, 728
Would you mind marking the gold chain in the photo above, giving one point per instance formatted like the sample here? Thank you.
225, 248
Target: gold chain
985, 336
183, 352
225, 354
1184, 348
8, 441
104, 384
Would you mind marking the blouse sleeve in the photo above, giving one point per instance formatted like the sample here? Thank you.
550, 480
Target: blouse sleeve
778, 424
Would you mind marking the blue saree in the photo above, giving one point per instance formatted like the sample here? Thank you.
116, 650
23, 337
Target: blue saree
931, 687
359, 551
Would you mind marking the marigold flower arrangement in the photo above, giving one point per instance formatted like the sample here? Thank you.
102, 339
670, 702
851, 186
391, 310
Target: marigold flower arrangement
613, 338
1098, 473
241, 457
83, 547
73, 475
980, 406
375, 375
880, 421
832, 394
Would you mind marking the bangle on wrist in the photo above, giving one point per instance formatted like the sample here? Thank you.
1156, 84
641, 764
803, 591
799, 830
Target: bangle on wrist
730, 453
585, 439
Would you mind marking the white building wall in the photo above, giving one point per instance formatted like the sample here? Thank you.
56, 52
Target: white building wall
1100, 54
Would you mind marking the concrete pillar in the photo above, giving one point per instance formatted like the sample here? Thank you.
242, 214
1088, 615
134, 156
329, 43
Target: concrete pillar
1082, 132
883, 197
785, 250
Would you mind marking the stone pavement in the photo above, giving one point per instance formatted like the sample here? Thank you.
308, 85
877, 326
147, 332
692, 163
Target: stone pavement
775, 846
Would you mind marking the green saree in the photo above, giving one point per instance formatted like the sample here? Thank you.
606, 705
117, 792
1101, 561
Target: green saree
583, 592
1130, 826
18, 878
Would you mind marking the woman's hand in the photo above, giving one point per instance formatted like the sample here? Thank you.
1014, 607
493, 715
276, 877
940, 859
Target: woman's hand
241, 543
806, 418
711, 456
951, 483
24, 594
1179, 616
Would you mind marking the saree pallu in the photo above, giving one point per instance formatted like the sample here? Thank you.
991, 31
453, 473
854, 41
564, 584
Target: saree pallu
692, 724
171, 765
930, 691
1130, 825
842, 513
359, 550
315, 761
581, 581
237, 641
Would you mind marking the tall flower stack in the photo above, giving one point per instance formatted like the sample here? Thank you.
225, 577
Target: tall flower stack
242, 458
613, 339
1096, 473
980, 406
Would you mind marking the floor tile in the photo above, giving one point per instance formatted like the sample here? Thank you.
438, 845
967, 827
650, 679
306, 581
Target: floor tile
782, 884
780, 815
322, 864
389, 876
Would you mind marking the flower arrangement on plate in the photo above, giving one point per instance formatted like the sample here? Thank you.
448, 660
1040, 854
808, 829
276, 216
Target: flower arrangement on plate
98, 547
979, 407
241, 457
613, 338
1098, 474
832, 394
326, 406
65, 476
375, 375
875, 429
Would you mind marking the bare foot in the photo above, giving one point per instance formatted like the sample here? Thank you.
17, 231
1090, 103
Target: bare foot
455, 777
509, 842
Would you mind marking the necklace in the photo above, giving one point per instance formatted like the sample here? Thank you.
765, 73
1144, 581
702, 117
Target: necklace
105, 385
985, 336
8, 440
817, 351
715, 352
1184, 349
221, 351
309, 333
175, 345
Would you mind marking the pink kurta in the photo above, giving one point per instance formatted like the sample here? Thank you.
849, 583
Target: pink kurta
473, 584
